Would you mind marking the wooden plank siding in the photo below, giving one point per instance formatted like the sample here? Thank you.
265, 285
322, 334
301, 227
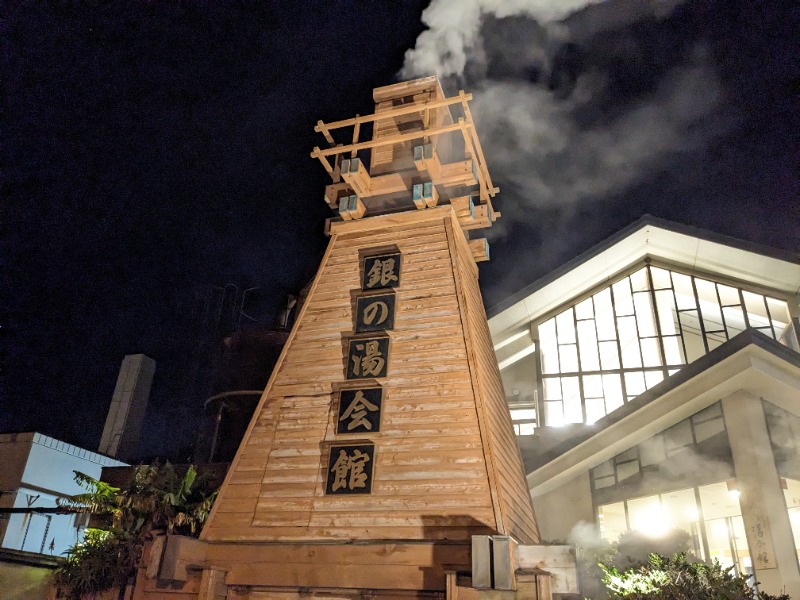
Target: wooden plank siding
438, 430
500, 443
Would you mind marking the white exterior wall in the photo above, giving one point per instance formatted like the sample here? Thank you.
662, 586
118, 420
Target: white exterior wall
558, 511
766, 519
42, 470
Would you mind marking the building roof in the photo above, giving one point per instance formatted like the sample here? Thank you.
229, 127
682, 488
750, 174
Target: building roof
649, 237
33, 437
751, 361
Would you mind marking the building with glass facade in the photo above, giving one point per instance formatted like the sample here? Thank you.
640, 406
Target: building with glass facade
654, 385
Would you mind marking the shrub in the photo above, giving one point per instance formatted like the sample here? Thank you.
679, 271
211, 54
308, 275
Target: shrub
675, 578
157, 499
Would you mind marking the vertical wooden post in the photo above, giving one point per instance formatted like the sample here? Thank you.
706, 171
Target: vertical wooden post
452, 584
212, 585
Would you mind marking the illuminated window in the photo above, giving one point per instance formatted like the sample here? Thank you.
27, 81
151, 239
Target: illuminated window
709, 514
623, 340
791, 491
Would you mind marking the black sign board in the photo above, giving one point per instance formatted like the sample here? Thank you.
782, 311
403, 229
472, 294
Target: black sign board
350, 469
359, 411
381, 271
375, 313
367, 358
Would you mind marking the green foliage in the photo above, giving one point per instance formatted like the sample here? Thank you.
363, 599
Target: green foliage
103, 561
158, 499
675, 578
632, 549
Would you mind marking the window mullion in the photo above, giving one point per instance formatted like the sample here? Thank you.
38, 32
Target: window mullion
700, 316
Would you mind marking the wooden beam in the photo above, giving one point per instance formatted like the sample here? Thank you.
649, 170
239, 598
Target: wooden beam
395, 112
416, 196
477, 144
324, 130
356, 133
354, 173
334, 191
450, 175
387, 141
471, 152
426, 159
323, 160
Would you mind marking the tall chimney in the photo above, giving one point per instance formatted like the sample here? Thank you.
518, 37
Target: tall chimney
124, 421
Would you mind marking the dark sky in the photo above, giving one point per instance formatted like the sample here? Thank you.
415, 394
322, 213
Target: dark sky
154, 150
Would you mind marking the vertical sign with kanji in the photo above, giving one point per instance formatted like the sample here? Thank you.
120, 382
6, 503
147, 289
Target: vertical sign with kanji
366, 358
375, 313
359, 411
350, 469
350, 466
381, 271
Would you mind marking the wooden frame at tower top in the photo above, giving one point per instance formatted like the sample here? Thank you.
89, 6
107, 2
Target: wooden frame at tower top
392, 172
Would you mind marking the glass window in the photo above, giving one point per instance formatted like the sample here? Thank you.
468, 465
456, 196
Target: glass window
661, 278
708, 423
565, 325
709, 305
568, 355
652, 451
573, 411
673, 350
590, 359
642, 329
651, 352
523, 413
645, 318
734, 320
684, 291
662, 459
584, 310
724, 527
667, 315
612, 521
721, 526
525, 428
678, 436
623, 302
784, 436
645, 515
626, 470
612, 387
680, 511
728, 296
791, 491
653, 378
604, 316
548, 346
756, 309
639, 280
634, 384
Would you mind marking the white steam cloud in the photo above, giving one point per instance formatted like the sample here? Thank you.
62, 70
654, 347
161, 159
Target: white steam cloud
558, 131
454, 28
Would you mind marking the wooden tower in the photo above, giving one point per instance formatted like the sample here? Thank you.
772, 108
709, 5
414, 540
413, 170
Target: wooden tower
383, 441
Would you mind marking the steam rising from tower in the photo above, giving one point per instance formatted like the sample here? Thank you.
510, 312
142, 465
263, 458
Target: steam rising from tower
577, 100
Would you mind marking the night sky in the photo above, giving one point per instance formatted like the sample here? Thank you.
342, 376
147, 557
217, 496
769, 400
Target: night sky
153, 152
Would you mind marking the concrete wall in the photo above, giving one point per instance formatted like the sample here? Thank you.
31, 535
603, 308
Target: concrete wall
766, 519
558, 511
25, 582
